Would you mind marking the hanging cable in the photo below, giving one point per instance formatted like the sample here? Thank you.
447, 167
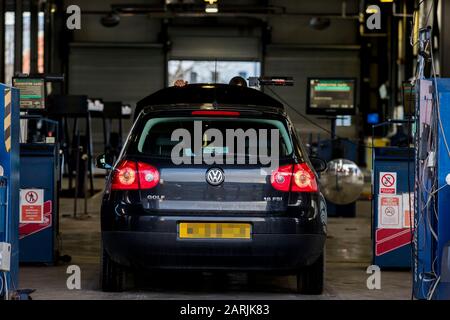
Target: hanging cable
312, 121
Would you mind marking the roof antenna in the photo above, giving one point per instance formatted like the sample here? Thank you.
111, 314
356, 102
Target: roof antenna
215, 82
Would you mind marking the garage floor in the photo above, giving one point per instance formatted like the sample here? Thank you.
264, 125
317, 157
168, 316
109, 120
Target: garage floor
348, 256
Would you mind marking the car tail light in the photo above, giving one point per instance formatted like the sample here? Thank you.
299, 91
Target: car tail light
281, 178
125, 176
304, 179
131, 175
148, 176
296, 178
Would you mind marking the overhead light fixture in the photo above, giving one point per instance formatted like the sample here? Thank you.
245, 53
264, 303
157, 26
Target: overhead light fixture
112, 19
386, 0
371, 10
319, 23
211, 6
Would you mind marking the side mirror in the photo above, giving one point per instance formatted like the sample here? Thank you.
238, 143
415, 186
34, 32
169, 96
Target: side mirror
104, 162
319, 165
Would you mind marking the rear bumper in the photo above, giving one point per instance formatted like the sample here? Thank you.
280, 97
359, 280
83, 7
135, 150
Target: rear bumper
162, 250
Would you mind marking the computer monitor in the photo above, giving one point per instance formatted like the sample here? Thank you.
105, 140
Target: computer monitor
32, 93
331, 96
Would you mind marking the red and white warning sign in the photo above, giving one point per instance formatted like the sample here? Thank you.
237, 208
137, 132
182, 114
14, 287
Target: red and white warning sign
31, 206
388, 183
390, 212
28, 229
408, 210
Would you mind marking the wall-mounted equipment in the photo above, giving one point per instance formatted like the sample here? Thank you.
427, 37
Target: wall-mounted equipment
331, 96
32, 93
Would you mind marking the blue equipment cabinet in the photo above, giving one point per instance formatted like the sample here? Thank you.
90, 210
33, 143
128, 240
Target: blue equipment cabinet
432, 248
392, 246
9, 188
39, 170
443, 197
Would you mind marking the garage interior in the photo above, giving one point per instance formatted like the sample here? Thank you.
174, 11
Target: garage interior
388, 176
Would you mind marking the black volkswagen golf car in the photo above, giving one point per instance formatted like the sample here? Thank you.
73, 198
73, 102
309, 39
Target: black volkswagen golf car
233, 215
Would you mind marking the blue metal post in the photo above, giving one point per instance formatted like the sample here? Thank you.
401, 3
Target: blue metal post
9, 161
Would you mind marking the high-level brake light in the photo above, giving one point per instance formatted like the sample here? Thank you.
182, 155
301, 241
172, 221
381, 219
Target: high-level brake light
216, 113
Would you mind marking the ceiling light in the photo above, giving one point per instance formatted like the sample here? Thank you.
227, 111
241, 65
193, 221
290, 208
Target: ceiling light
211, 8
319, 23
386, 0
112, 19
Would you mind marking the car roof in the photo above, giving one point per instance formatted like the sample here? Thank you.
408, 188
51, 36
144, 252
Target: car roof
215, 94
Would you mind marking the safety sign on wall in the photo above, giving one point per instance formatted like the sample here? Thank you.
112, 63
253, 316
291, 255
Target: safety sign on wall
388, 183
390, 212
408, 210
31, 206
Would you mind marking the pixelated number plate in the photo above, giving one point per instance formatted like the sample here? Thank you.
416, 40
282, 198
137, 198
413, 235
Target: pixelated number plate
196, 230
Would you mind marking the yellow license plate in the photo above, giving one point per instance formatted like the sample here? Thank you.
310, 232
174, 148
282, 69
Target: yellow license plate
197, 230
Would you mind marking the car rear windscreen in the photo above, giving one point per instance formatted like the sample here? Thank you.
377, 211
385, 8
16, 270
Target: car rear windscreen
238, 137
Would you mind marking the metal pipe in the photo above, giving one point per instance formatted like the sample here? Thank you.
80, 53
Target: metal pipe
2, 40
18, 36
48, 37
311, 46
232, 12
445, 39
34, 30
399, 15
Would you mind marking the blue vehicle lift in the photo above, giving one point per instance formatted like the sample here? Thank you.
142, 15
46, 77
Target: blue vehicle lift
9, 186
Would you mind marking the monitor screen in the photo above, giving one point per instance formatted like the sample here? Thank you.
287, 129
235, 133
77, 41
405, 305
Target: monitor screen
32, 93
331, 96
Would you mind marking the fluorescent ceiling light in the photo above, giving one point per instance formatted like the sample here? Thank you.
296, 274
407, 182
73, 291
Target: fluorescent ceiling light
211, 8
371, 10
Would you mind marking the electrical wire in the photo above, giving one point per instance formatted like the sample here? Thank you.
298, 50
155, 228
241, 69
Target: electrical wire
427, 183
417, 8
312, 121
5, 284
297, 112
1, 284
433, 289
441, 126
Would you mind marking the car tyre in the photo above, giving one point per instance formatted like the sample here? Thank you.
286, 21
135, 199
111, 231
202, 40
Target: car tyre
310, 280
112, 274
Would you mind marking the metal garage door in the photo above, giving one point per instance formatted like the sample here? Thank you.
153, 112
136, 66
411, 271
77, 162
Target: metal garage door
115, 73
211, 43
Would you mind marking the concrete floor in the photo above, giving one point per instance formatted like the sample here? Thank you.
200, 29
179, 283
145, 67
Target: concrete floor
348, 256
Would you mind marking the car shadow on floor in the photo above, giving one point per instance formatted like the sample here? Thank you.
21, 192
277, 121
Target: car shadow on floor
211, 282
